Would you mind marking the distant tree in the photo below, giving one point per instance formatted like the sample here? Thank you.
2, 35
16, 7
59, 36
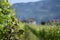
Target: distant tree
43, 23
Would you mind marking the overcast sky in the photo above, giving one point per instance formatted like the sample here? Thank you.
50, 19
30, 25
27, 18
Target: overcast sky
19, 1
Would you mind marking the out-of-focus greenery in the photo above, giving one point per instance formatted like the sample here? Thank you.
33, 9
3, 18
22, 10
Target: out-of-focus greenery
12, 29
42, 32
9, 26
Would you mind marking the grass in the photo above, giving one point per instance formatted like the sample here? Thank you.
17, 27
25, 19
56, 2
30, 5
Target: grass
41, 32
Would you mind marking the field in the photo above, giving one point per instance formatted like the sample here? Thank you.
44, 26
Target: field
41, 32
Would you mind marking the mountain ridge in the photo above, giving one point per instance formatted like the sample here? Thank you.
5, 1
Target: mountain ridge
41, 10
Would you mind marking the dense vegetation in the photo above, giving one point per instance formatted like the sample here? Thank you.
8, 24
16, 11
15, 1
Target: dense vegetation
9, 25
43, 32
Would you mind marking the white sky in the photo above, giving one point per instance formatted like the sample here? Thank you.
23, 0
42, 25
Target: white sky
19, 1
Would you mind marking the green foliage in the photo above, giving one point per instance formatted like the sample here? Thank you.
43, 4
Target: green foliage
9, 25
28, 35
44, 32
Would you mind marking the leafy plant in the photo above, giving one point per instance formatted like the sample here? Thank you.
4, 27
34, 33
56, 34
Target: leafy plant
9, 25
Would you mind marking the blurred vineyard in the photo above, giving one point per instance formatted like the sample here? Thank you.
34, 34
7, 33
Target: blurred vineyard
42, 32
13, 29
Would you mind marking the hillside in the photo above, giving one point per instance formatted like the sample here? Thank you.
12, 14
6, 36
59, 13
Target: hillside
41, 10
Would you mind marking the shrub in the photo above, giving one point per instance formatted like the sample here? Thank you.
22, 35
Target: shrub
9, 25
